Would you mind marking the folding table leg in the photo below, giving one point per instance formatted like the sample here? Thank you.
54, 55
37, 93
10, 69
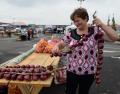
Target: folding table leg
36, 89
24, 89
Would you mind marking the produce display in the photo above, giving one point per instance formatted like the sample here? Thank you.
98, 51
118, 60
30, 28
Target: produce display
48, 48
26, 72
100, 39
43, 47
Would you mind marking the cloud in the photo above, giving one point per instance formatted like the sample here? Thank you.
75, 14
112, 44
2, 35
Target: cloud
22, 3
55, 11
29, 3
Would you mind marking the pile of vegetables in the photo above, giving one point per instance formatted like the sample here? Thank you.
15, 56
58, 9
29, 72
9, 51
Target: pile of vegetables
26, 72
43, 47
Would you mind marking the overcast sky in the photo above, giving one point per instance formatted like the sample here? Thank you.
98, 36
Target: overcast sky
54, 11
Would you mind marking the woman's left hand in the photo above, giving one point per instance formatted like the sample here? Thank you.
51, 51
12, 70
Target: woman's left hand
97, 22
109, 33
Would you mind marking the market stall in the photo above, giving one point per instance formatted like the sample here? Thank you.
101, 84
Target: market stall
33, 87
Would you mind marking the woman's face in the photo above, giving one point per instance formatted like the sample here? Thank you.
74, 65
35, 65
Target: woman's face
80, 23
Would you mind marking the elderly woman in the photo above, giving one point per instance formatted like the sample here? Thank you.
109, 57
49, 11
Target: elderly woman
85, 59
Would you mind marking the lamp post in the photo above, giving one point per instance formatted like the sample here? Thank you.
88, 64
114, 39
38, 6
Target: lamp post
108, 22
81, 1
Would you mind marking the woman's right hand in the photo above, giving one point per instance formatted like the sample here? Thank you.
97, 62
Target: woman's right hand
56, 49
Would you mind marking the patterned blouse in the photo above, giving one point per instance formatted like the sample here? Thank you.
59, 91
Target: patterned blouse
83, 59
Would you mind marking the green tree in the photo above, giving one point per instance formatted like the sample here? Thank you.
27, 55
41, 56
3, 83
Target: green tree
113, 23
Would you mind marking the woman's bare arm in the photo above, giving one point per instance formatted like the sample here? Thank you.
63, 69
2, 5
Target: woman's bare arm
109, 33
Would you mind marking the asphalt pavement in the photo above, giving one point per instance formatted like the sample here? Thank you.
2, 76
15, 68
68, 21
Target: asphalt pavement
10, 48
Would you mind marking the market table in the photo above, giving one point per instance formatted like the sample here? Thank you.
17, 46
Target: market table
34, 87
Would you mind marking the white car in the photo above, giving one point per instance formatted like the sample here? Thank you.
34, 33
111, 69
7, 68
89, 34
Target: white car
23, 32
69, 28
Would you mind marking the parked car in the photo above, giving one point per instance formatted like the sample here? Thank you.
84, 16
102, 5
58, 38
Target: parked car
69, 28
